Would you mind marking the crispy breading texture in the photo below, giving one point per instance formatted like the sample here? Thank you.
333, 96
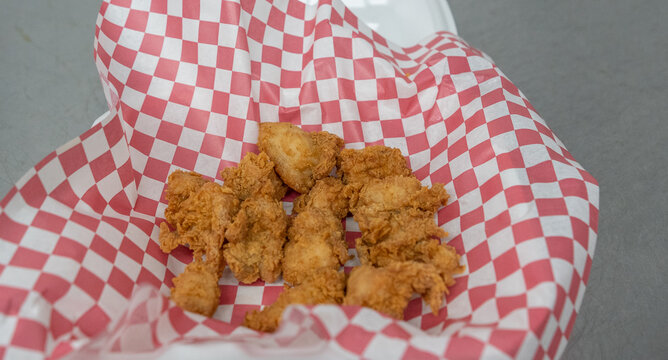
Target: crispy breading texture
316, 240
300, 157
325, 286
254, 176
373, 162
255, 240
196, 289
327, 194
389, 289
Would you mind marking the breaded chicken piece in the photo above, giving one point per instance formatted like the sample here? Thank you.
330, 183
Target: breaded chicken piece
300, 157
255, 240
200, 219
196, 289
388, 289
397, 192
328, 195
316, 240
180, 186
325, 286
373, 162
254, 176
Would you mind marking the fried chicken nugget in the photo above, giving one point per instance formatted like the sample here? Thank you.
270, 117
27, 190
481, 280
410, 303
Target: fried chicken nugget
316, 240
254, 176
255, 240
325, 286
373, 162
300, 157
388, 289
327, 194
196, 288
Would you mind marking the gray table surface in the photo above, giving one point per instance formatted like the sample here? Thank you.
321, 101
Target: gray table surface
595, 70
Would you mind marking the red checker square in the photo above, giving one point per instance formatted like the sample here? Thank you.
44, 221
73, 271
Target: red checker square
89, 283
575, 286
560, 247
481, 153
392, 128
417, 143
111, 30
387, 88
218, 326
509, 87
508, 304
395, 331
343, 47
241, 84
322, 29
458, 64
159, 7
221, 102
476, 120
368, 110
137, 20
269, 93
454, 121
29, 334
256, 69
413, 309
573, 187
146, 277
518, 194
325, 68
542, 173
472, 218
121, 282
10, 195
11, 230
124, 56
12, 299
481, 294
174, 28
354, 338
465, 183
102, 166
235, 128
296, 9
527, 230
291, 79
413, 353
256, 29
270, 294
225, 58
42, 163
33, 192
153, 106
228, 294
509, 341
528, 137
478, 257
346, 89
167, 69
518, 110
59, 325
506, 264
364, 69
547, 207
182, 94
293, 44
120, 203
449, 212
464, 348
580, 231
308, 93
458, 148
189, 52
51, 287
491, 188
430, 321
70, 248
239, 313
500, 126
276, 19
349, 17
331, 112
230, 12
113, 132
271, 55
537, 272
48, 221
468, 95
352, 131
86, 221
131, 250
439, 147
185, 158
93, 321
212, 145
242, 41
197, 119
510, 160
205, 77
28, 258
190, 9
497, 223
492, 97
169, 132
208, 32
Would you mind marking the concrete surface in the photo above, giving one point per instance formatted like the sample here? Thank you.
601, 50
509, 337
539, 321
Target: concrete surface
595, 70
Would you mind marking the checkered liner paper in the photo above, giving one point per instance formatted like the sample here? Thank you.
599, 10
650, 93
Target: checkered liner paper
81, 272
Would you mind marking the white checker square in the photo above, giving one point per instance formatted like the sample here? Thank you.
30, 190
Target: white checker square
19, 277
191, 139
156, 24
251, 295
271, 73
383, 347
217, 124
512, 285
361, 48
223, 80
268, 112
272, 37
486, 275
485, 314
232, 150
206, 164
580, 256
323, 48
513, 177
210, 11
13, 352
464, 81
473, 236
109, 186
98, 265
384, 69
254, 51
291, 61
501, 242
335, 128
154, 267
494, 206
150, 188
563, 272
95, 145
111, 301
162, 150
366, 90
546, 190
131, 39
251, 129
127, 265
171, 49
418, 160
522, 122
495, 111
227, 35
7, 328
207, 54
120, 153
51, 175
556, 225
186, 74
328, 89
345, 69
110, 234
189, 29
397, 142
435, 133
238, 106
133, 98
531, 250
294, 26
74, 303
427, 97
82, 235
289, 97
117, 15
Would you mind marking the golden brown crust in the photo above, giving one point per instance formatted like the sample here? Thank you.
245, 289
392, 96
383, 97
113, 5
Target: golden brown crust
325, 286
373, 162
327, 194
254, 176
196, 289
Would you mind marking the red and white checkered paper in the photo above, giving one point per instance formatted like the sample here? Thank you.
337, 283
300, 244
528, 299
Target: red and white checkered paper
81, 273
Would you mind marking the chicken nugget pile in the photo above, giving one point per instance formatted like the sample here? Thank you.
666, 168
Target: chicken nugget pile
242, 224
